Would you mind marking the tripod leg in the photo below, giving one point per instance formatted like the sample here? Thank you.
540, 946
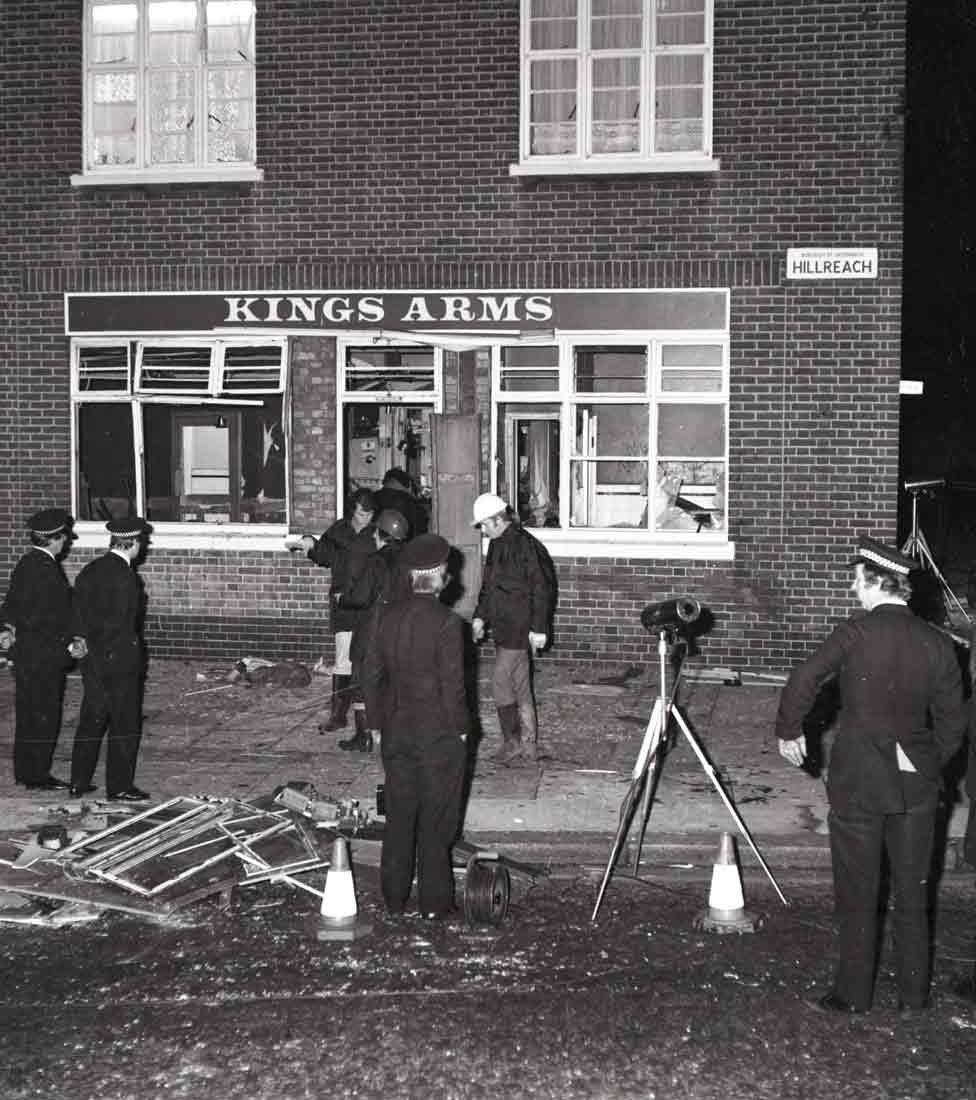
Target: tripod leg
928, 562
647, 754
710, 771
649, 787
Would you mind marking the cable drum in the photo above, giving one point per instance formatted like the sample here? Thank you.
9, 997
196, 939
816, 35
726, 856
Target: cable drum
487, 890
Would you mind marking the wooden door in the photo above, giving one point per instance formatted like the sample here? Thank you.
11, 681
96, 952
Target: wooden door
456, 444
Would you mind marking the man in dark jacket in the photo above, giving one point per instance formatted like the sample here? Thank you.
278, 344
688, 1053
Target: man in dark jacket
108, 615
902, 718
398, 494
516, 602
379, 582
36, 627
414, 680
341, 549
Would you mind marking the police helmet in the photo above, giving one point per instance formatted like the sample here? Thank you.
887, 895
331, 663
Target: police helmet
393, 524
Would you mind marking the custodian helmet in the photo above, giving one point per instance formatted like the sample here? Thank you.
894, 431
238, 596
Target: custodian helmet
393, 524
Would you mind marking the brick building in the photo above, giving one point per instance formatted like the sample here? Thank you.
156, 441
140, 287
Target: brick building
253, 257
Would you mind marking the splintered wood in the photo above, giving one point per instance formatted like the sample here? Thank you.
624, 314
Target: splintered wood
161, 859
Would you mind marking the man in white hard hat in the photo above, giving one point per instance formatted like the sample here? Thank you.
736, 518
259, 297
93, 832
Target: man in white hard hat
516, 602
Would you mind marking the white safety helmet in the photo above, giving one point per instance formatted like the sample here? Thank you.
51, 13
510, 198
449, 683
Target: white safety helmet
486, 506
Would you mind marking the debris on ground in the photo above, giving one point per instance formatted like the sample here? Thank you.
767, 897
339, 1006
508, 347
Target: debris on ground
257, 671
156, 861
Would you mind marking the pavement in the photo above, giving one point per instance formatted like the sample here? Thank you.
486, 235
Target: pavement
721, 771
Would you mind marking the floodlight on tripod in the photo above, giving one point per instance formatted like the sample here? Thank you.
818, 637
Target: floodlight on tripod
674, 615
672, 621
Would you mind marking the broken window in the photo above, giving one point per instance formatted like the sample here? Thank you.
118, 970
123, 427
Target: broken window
180, 431
614, 435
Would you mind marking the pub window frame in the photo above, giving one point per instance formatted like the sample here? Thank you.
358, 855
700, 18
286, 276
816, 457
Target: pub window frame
221, 396
706, 533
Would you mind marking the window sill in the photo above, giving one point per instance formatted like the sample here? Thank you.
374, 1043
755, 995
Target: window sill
176, 536
159, 177
633, 544
680, 165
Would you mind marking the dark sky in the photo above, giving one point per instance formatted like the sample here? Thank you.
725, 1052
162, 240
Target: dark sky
939, 316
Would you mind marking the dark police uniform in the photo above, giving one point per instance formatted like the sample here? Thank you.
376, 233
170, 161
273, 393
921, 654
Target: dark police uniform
344, 551
900, 685
109, 603
414, 682
38, 607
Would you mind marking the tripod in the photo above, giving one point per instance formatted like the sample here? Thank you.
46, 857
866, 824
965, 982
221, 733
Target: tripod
917, 547
646, 769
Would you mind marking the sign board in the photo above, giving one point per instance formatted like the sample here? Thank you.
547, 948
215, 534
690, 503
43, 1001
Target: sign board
831, 263
470, 311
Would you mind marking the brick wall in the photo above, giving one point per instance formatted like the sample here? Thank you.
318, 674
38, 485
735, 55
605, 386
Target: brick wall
385, 132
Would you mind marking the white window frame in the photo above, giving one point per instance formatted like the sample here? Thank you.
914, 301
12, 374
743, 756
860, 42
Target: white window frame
566, 541
433, 397
174, 535
143, 171
584, 161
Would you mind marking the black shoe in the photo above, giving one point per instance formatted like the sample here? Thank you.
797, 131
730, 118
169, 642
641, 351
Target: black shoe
133, 794
335, 722
79, 792
830, 1002
48, 784
362, 742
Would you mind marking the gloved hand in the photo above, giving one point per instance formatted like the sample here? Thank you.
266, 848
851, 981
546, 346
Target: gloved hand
7, 638
537, 641
78, 647
478, 629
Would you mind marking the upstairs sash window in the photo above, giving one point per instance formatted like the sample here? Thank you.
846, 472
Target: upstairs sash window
616, 80
169, 85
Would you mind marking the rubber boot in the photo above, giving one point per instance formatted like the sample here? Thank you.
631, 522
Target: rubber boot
363, 741
340, 705
508, 719
529, 730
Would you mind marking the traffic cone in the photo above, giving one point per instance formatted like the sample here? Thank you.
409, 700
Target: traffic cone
339, 913
726, 910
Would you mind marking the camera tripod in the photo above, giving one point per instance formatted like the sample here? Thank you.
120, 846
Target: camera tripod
647, 769
916, 546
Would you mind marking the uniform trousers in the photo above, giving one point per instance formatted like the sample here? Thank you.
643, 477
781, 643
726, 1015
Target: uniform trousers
858, 841
113, 699
38, 694
423, 788
511, 682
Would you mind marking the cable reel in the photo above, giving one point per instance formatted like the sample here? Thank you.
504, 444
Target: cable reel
487, 889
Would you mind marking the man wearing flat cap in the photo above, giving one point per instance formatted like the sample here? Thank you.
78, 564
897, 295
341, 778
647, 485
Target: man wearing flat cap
108, 615
901, 719
414, 686
36, 628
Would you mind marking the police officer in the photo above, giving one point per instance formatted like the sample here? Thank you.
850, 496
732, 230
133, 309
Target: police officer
378, 583
414, 683
341, 549
36, 627
108, 614
901, 719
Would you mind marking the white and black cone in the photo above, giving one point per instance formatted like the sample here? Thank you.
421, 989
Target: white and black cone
726, 910
339, 913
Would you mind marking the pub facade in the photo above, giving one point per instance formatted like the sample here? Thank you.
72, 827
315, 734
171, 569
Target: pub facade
635, 265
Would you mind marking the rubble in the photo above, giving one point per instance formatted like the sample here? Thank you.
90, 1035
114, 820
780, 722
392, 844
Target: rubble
156, 861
